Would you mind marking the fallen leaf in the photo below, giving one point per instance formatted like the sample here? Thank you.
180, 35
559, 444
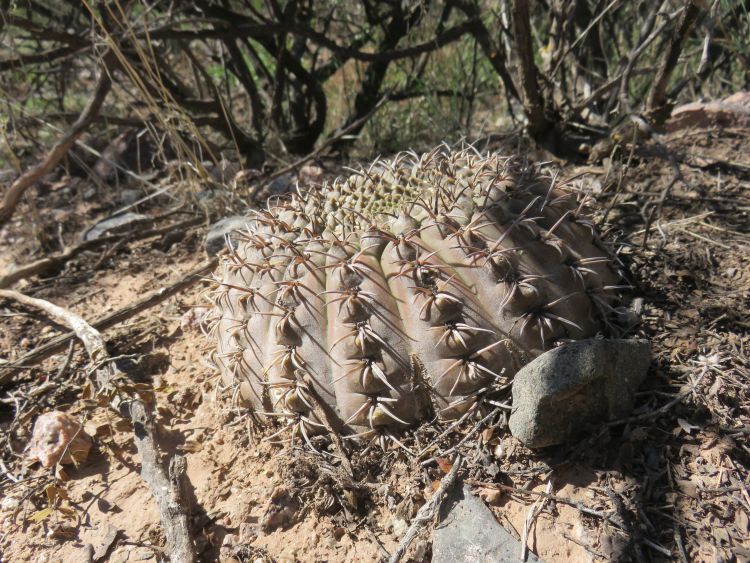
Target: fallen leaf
40, 515
686, 426
444, 465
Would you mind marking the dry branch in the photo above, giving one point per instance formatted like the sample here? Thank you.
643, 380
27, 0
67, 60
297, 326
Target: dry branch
268, 29
658, 95
533, 103
59, 343
166, 488
12, 275
336, 136
58, 151
426, 514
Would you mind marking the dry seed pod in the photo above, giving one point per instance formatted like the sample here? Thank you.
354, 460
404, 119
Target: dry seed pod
419, 285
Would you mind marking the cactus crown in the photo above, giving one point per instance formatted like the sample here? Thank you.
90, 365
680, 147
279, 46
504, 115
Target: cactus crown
417, 286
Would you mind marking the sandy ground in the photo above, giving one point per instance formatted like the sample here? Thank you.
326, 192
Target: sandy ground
671, 483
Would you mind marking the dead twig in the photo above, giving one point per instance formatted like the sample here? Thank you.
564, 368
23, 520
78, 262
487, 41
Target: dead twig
59, 343
658, 95
531, 518
330, 140
427, 512
167, 488
533, 102
549, 496
13, 275
58, 151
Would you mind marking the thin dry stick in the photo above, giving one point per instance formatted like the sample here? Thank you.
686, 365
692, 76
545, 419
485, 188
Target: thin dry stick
89, 113
427, 512
168, 489
658, 95
550, 497
154, 298
583, 35
530, 518
12, 275
330, 141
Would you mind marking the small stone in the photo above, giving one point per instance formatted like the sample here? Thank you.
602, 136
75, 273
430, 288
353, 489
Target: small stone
62, 532
310, 174
467, 531
567, 388
9, 503
329, 543
248, 532
215, 239
733, 111
493, 497
119, 556
280, 512
113, 224
58, 437
141, 554
226, 555
399, 526
281, 185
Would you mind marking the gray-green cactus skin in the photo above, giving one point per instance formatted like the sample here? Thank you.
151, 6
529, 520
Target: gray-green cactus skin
418, 286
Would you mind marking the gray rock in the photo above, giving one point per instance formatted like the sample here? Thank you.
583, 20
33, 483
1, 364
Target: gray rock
215, 240
112, 225
281, 185
566, 388
468, 532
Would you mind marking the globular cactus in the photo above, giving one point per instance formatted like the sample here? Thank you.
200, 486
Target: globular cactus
418, 286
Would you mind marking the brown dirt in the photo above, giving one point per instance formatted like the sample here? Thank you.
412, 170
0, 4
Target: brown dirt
670, 482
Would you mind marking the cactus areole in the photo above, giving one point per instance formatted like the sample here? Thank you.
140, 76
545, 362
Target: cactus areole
415, 287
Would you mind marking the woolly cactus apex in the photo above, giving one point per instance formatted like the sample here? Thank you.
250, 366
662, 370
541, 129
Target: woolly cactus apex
417, 286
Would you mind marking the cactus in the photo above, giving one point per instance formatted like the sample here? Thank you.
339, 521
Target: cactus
417, 286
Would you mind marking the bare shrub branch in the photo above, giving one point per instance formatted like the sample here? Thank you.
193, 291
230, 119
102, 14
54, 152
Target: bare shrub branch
62, 146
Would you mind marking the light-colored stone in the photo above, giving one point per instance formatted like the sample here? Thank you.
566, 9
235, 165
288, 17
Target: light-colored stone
215, 239
567, 388
113, 224
733, 111
58, 437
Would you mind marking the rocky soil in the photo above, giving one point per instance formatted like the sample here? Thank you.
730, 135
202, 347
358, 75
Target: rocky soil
668, 482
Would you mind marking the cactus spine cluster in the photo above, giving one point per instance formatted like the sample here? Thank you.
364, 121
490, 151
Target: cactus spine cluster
414, 287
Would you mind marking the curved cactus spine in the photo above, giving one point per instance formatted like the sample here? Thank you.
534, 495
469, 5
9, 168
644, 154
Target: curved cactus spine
414, 285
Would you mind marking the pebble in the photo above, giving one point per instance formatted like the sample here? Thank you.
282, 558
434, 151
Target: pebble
468, 531
583, 383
